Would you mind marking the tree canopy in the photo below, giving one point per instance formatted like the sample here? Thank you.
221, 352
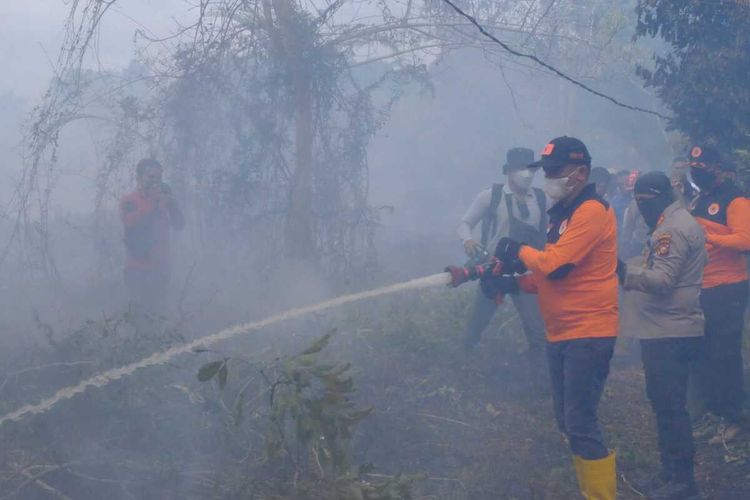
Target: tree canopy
702, 77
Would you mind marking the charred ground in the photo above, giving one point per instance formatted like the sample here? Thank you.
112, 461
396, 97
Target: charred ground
442, 424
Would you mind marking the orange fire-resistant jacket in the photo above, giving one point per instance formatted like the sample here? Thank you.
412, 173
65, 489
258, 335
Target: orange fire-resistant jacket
724, 214
574, 275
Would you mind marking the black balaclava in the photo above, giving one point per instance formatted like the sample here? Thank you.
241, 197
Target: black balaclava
658, 188
703, 178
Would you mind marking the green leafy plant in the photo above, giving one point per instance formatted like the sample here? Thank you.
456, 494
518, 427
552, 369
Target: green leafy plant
312, 420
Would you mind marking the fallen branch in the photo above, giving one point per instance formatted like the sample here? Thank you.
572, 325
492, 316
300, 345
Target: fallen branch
446, 419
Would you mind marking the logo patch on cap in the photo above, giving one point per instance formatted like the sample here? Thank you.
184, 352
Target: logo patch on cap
713, 209
696, 152
548, 149
576, 156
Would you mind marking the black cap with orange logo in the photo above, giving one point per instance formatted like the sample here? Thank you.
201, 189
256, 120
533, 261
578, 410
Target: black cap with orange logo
563, 151
706, 155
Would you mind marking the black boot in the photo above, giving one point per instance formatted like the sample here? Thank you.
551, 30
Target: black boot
681, 485
647, 485
675, 490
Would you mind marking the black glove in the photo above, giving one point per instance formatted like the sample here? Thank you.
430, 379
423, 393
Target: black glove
494, 285
507, 250
622, 270
507, 253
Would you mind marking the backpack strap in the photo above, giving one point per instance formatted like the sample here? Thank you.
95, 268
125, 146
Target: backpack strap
489, 221
541, 201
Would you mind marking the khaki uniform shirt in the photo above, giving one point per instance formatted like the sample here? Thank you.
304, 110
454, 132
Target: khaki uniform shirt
663, 286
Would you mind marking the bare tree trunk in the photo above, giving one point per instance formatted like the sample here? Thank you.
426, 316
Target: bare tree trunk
300, 243
298, 231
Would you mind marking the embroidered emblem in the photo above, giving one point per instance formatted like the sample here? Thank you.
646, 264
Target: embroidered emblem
548, 149
563, 227
696, 152
713, 209
663, 242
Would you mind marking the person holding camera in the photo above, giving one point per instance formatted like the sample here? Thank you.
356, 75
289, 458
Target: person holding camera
148, 215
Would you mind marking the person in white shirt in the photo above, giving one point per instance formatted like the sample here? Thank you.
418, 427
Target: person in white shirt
512, 209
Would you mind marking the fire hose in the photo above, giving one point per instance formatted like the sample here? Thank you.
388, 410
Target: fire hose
482, 266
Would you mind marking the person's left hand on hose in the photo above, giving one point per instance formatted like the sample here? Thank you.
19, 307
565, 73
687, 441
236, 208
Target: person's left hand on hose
507, 253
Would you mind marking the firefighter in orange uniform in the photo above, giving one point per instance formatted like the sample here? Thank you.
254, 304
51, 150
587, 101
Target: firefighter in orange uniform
575, 278
724, 212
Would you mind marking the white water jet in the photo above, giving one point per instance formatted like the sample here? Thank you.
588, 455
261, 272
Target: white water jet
159, 358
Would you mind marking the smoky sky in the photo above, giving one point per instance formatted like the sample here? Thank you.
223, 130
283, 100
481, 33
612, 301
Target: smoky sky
434, 152
31, 32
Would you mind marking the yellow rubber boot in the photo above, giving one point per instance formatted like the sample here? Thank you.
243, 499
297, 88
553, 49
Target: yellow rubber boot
597, 479
578, 464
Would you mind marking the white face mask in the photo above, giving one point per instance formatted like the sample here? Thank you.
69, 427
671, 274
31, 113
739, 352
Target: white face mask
557, 189
522, 178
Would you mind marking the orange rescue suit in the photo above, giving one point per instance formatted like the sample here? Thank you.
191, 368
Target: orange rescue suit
574, 275
724, 213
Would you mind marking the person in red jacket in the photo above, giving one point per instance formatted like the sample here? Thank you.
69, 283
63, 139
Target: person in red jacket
148, 215
724, 212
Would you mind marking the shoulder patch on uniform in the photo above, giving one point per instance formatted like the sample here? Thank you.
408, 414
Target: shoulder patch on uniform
713, 209
663, 242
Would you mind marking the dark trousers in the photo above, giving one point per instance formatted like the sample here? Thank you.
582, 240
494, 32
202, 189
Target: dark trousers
147, 294
578, 369
719, 370
667, 363
527, 307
